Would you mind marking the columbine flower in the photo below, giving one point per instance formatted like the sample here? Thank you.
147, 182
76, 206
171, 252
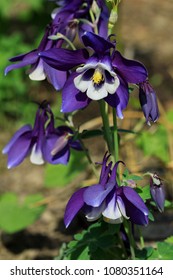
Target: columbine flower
106, 198
43, 142
64, 25
58, 142
27, 140
104, 75
39, 69
157, 191
148, 102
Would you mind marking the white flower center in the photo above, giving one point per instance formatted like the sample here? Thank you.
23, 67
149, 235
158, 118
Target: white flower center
99, 84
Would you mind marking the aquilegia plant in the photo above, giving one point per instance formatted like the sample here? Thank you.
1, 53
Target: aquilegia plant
79, 55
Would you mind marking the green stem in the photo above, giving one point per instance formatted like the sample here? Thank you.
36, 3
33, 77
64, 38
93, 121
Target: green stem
122, 245
128, 229
115, 135
106, 127
141, 238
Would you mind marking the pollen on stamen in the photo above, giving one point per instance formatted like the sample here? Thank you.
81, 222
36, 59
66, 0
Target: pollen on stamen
97, 78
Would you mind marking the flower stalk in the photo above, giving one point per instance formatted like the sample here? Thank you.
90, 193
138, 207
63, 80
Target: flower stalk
106, 126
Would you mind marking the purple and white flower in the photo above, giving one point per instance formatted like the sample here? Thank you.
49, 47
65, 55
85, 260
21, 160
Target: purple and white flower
43, 142
103, 75
107, 199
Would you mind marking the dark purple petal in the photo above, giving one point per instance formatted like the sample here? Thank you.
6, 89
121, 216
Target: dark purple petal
97, 43
157, 191
22, 56
132, 71
135, 199
135, 206
72, 98
61, 157
75, 145
19, 150
56, 77
62, 59
104, 173
20, 132
158, 195
120, 99
95, 194
27, 59
75, 203
113, 176
148, 102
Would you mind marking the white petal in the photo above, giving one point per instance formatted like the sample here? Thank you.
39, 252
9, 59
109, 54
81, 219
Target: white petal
36, 156
112, 211
38, 74
54, 12
95, 213
96, 94
121, 207
81, 84
86, 67
112, 87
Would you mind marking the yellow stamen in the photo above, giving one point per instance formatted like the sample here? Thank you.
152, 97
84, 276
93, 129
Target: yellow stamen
97, 77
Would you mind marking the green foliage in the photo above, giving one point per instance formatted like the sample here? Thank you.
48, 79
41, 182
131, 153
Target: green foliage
144, 192
162, 251
99, 242
61, 175
15, 216
155, 144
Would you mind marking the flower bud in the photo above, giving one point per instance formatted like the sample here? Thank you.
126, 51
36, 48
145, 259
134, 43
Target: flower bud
157, 191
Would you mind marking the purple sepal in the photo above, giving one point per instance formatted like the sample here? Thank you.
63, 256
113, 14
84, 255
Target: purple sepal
132, 71
72, 98
75, 203
63, 59
96, 42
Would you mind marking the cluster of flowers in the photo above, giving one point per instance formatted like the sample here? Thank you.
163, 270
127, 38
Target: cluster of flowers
83, 77
95, 71
43, 142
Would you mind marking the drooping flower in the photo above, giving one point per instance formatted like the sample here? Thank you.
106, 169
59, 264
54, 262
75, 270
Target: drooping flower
107, 199
43, 142
104, 75
40, 70
27, 141
58, 143
157, 191
148, 100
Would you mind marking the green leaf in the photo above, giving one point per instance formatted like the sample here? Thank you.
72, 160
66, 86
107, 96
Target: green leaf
91, 133
144, 192
61, 175
144, 254
165, 250
15, 216
98, 242
169, 239
155, 144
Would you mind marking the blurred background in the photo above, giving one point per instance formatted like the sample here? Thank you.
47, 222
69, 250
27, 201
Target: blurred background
144, 32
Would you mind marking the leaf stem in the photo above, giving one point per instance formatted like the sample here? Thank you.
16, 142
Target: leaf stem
115, 135
128, 229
